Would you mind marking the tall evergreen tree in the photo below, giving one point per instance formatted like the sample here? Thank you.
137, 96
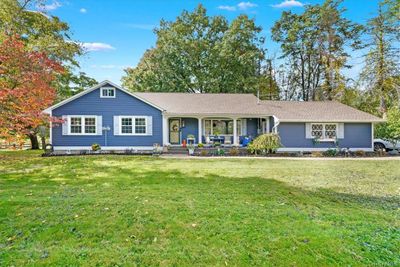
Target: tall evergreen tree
381, 71
315, 45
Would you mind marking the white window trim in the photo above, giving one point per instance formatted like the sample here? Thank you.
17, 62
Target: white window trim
133, 125
83, 117
323, 131
107, 88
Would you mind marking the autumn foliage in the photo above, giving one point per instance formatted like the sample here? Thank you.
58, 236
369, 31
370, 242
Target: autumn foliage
26, 89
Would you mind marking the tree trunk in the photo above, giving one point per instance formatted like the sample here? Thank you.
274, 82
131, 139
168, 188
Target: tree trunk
34, 141
43, 140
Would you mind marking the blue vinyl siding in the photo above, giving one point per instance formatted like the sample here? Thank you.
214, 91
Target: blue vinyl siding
252, 126
122, 104
191, 127
356, 135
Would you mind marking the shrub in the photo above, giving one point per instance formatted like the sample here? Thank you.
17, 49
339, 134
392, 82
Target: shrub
316, 154
360, 153
234, 151
217, 144
203, 153
200, 145
221, 152
265, 143
332, 152
96, 147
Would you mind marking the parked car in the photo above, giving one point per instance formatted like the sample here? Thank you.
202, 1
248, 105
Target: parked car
383, 144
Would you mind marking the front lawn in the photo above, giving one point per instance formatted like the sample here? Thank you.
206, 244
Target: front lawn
127, 210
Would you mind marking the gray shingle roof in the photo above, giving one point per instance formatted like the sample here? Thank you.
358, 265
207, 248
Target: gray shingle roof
246, 104
205, 104
322, 111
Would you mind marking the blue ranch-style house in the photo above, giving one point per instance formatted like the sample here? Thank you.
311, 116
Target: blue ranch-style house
117, 119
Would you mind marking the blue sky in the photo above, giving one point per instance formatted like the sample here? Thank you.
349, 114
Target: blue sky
116, 33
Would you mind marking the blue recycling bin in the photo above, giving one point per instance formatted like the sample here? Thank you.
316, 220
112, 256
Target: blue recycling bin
246, 141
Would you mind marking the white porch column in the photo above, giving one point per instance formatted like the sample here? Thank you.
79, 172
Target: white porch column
165, 132
235, 137
267, 125
200, 131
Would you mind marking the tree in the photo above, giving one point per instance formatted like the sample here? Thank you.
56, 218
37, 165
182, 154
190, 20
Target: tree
44, 33
382, 60
48, 34
26, 89
314, 45
70, 83
268, 86
390, 130
199, 53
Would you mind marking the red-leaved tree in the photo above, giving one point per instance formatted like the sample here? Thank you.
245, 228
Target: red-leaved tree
26, 78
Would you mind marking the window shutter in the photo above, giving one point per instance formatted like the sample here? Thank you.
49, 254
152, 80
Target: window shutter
308, 131
149, 125
99, 126
340, 133
116, 125
65, 125
244, 127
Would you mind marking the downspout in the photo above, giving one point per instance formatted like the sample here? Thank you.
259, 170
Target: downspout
276, 124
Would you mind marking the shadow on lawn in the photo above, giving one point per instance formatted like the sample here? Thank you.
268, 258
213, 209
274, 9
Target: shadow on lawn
81, 172
250, 206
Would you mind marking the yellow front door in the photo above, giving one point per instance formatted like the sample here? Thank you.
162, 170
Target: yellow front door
174, 131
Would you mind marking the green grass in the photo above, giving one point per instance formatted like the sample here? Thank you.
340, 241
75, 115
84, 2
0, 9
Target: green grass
127, 210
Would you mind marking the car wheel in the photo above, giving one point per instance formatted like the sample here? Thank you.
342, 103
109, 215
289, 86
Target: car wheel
379, 146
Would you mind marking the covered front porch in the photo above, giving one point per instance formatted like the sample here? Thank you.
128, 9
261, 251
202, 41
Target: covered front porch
212, 130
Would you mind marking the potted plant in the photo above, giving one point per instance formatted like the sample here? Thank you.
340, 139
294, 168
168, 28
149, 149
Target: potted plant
190, 138
190, 148
96, 147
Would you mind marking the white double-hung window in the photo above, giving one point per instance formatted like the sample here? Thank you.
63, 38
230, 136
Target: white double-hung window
133, 125
107, 92
324, 131
82, 125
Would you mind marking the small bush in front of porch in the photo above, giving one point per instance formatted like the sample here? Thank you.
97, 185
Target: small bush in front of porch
265, 143
332, 152
203, 153
96, 147
234, 152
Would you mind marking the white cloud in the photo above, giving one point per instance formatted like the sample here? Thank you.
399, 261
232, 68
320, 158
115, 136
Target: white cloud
141, 26
96, 46
240, 6
288, 4
246, 5
49, 7
83, 10
228, 8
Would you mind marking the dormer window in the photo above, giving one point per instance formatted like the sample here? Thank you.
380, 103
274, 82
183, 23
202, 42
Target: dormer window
107, 92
